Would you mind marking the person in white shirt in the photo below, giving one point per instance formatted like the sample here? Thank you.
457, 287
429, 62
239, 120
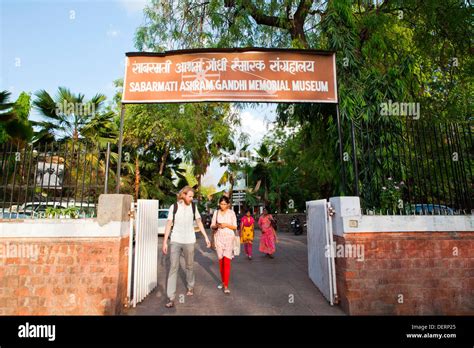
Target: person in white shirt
183, 240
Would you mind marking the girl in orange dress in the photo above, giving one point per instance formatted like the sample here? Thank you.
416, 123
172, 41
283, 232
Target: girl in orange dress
247, 233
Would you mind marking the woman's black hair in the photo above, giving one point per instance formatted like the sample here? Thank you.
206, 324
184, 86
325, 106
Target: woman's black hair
248, 210
224, 198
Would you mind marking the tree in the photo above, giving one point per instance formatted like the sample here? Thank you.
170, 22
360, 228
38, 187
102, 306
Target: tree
404, 51
267, 157
235, 164
194, 135
101, 129
6, 108
66, 114
14, 122
234, 23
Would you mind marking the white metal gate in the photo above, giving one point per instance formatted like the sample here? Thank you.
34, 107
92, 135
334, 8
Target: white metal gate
321, 265
143, 260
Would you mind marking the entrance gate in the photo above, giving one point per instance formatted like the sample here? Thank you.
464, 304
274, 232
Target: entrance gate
321, 264
143, 259
227, 75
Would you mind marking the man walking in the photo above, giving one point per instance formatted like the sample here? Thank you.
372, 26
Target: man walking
180, 225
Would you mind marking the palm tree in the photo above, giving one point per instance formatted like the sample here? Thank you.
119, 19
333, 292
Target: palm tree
267, 157
234, 167
101, 129
66, 114
282, 179
6, 108
14, 122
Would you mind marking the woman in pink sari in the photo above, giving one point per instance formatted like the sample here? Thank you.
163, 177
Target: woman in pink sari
268, 238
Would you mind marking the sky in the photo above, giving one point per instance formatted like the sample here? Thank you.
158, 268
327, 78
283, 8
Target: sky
81, 45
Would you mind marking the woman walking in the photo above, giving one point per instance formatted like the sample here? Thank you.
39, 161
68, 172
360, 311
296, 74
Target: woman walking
225, 222
247, 233
269, 237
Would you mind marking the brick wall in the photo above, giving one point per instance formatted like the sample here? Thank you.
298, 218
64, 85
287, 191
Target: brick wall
409, 273
70, 276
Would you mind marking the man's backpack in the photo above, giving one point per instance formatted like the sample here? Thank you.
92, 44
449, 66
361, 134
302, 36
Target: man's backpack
175, 209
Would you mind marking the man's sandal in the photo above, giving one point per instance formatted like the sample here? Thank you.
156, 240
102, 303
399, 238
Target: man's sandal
170, 304
190, 292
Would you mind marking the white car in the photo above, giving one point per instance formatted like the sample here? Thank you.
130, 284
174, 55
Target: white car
163, 219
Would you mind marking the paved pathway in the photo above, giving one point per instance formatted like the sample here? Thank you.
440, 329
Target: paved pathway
262, 286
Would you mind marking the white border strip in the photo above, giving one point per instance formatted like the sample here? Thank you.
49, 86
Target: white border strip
408, 223
51, 228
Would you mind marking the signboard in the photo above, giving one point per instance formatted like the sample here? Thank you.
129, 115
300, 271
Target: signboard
238, 197
248, 75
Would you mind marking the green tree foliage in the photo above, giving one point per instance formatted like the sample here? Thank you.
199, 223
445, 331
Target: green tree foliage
66, 115
171, 133
14, 122
401, 51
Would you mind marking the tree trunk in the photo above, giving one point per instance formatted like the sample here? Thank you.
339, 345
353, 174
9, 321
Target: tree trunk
137, 178
279, 201
163, 159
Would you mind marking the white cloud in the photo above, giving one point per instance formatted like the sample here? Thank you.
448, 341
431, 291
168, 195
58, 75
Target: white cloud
256, 126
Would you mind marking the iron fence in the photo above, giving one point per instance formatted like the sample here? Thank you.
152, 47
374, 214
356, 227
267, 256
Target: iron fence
407, 166
60, 180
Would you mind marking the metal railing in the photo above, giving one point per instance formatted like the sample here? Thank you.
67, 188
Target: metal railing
62, 180
407, 166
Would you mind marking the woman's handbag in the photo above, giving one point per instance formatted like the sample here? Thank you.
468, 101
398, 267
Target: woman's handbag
273, 223
236, 245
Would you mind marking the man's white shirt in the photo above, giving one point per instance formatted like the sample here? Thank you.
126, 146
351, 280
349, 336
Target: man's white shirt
183, 229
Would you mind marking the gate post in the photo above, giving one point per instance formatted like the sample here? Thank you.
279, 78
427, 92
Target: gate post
114, 209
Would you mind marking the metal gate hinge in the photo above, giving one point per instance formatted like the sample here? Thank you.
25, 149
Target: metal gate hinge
331, 211
131, 214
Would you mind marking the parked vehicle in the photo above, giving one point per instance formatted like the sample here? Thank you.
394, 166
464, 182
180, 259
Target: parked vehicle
295, 226
430, 209
62, 209
11, 215
163, 219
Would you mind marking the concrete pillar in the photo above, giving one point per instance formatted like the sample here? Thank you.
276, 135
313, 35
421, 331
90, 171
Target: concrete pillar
344, 207
113, 207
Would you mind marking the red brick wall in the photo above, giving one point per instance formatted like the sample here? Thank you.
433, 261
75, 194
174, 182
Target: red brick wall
419, 266
79, 276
